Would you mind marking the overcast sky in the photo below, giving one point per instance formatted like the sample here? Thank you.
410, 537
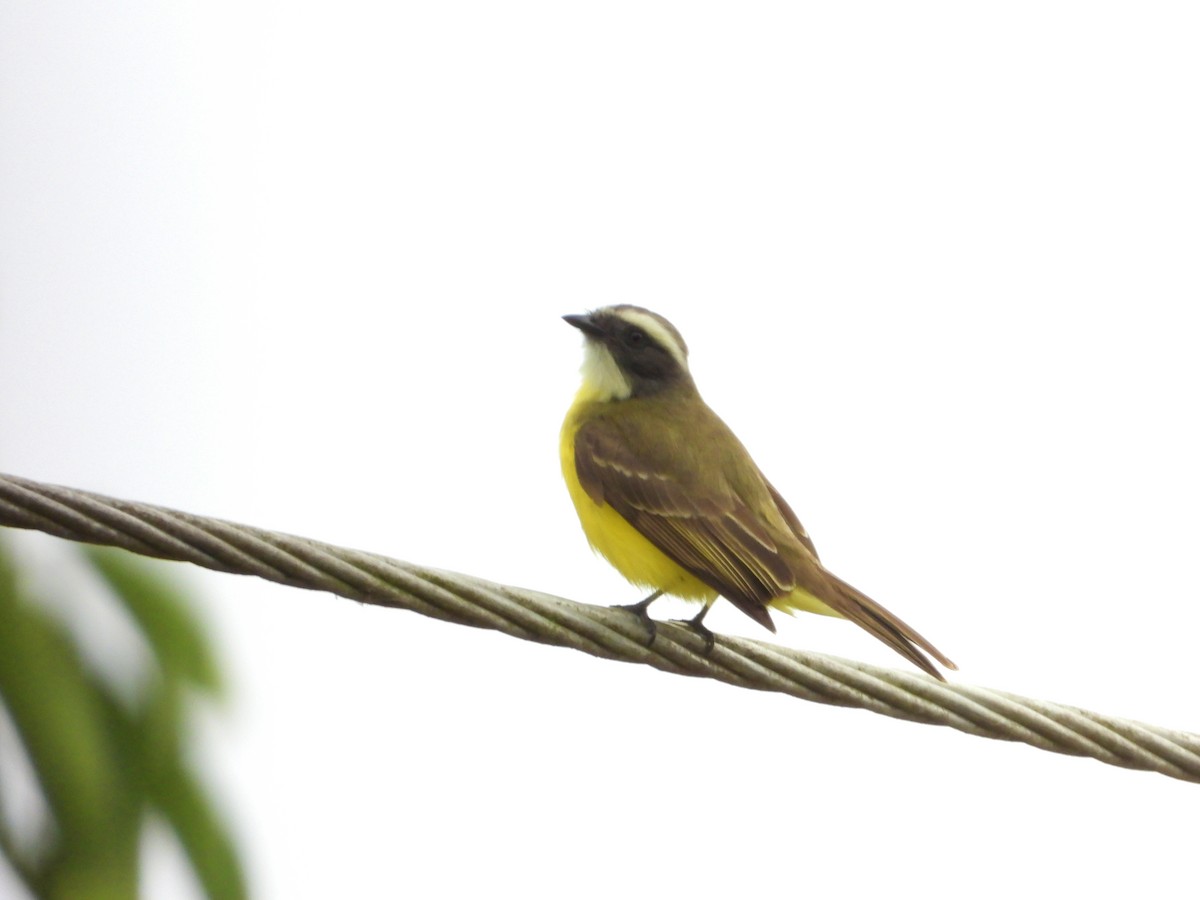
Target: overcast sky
302, 266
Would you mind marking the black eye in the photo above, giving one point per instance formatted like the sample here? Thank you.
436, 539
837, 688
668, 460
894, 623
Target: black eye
634, 338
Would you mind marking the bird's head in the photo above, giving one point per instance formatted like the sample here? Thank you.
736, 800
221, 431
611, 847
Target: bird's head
630, 352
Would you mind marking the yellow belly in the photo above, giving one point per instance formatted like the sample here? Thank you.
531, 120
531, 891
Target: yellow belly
620, 543
631, 554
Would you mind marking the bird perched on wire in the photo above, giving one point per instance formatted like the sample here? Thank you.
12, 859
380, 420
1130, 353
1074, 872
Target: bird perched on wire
668, 494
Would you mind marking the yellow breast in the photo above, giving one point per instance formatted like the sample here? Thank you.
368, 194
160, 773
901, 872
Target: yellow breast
613, 537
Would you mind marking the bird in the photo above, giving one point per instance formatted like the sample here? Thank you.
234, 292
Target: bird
670, 497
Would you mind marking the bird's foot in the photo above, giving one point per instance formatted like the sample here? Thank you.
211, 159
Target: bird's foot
641, 611
696, 624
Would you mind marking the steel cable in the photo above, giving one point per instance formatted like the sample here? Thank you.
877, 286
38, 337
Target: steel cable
601, 631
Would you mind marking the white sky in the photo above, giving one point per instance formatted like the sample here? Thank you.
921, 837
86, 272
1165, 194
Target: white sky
302, 266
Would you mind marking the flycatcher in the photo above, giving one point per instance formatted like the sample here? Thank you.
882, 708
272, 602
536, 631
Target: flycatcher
668, 495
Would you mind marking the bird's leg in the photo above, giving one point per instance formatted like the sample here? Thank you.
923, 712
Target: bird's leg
640, 610
696, 623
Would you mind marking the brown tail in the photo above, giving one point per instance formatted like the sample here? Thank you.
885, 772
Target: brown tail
863, 611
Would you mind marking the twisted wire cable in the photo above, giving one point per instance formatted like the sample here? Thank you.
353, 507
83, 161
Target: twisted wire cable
601, 631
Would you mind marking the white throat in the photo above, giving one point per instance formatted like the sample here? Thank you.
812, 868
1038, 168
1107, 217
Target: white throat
603, 379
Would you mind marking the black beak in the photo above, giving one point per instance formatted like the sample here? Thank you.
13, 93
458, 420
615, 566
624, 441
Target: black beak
586, 324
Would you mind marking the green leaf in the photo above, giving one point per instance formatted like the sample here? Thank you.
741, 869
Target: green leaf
102, 763
63, 723
175, 635
183, 804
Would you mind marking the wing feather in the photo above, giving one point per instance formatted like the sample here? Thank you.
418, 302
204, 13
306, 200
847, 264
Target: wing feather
707, 528
694, 498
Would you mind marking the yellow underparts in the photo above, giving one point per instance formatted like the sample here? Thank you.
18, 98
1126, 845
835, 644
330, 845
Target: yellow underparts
620, 543
801, 600
633, 555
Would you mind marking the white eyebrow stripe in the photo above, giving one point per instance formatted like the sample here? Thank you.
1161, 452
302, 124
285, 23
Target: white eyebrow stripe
662, 335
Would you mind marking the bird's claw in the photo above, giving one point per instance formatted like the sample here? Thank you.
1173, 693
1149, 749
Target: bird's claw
641, 610
699, 628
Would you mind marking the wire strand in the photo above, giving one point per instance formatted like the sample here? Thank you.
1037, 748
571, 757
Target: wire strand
600, 631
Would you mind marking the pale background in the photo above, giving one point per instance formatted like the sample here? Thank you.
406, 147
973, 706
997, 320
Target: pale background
301, 265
